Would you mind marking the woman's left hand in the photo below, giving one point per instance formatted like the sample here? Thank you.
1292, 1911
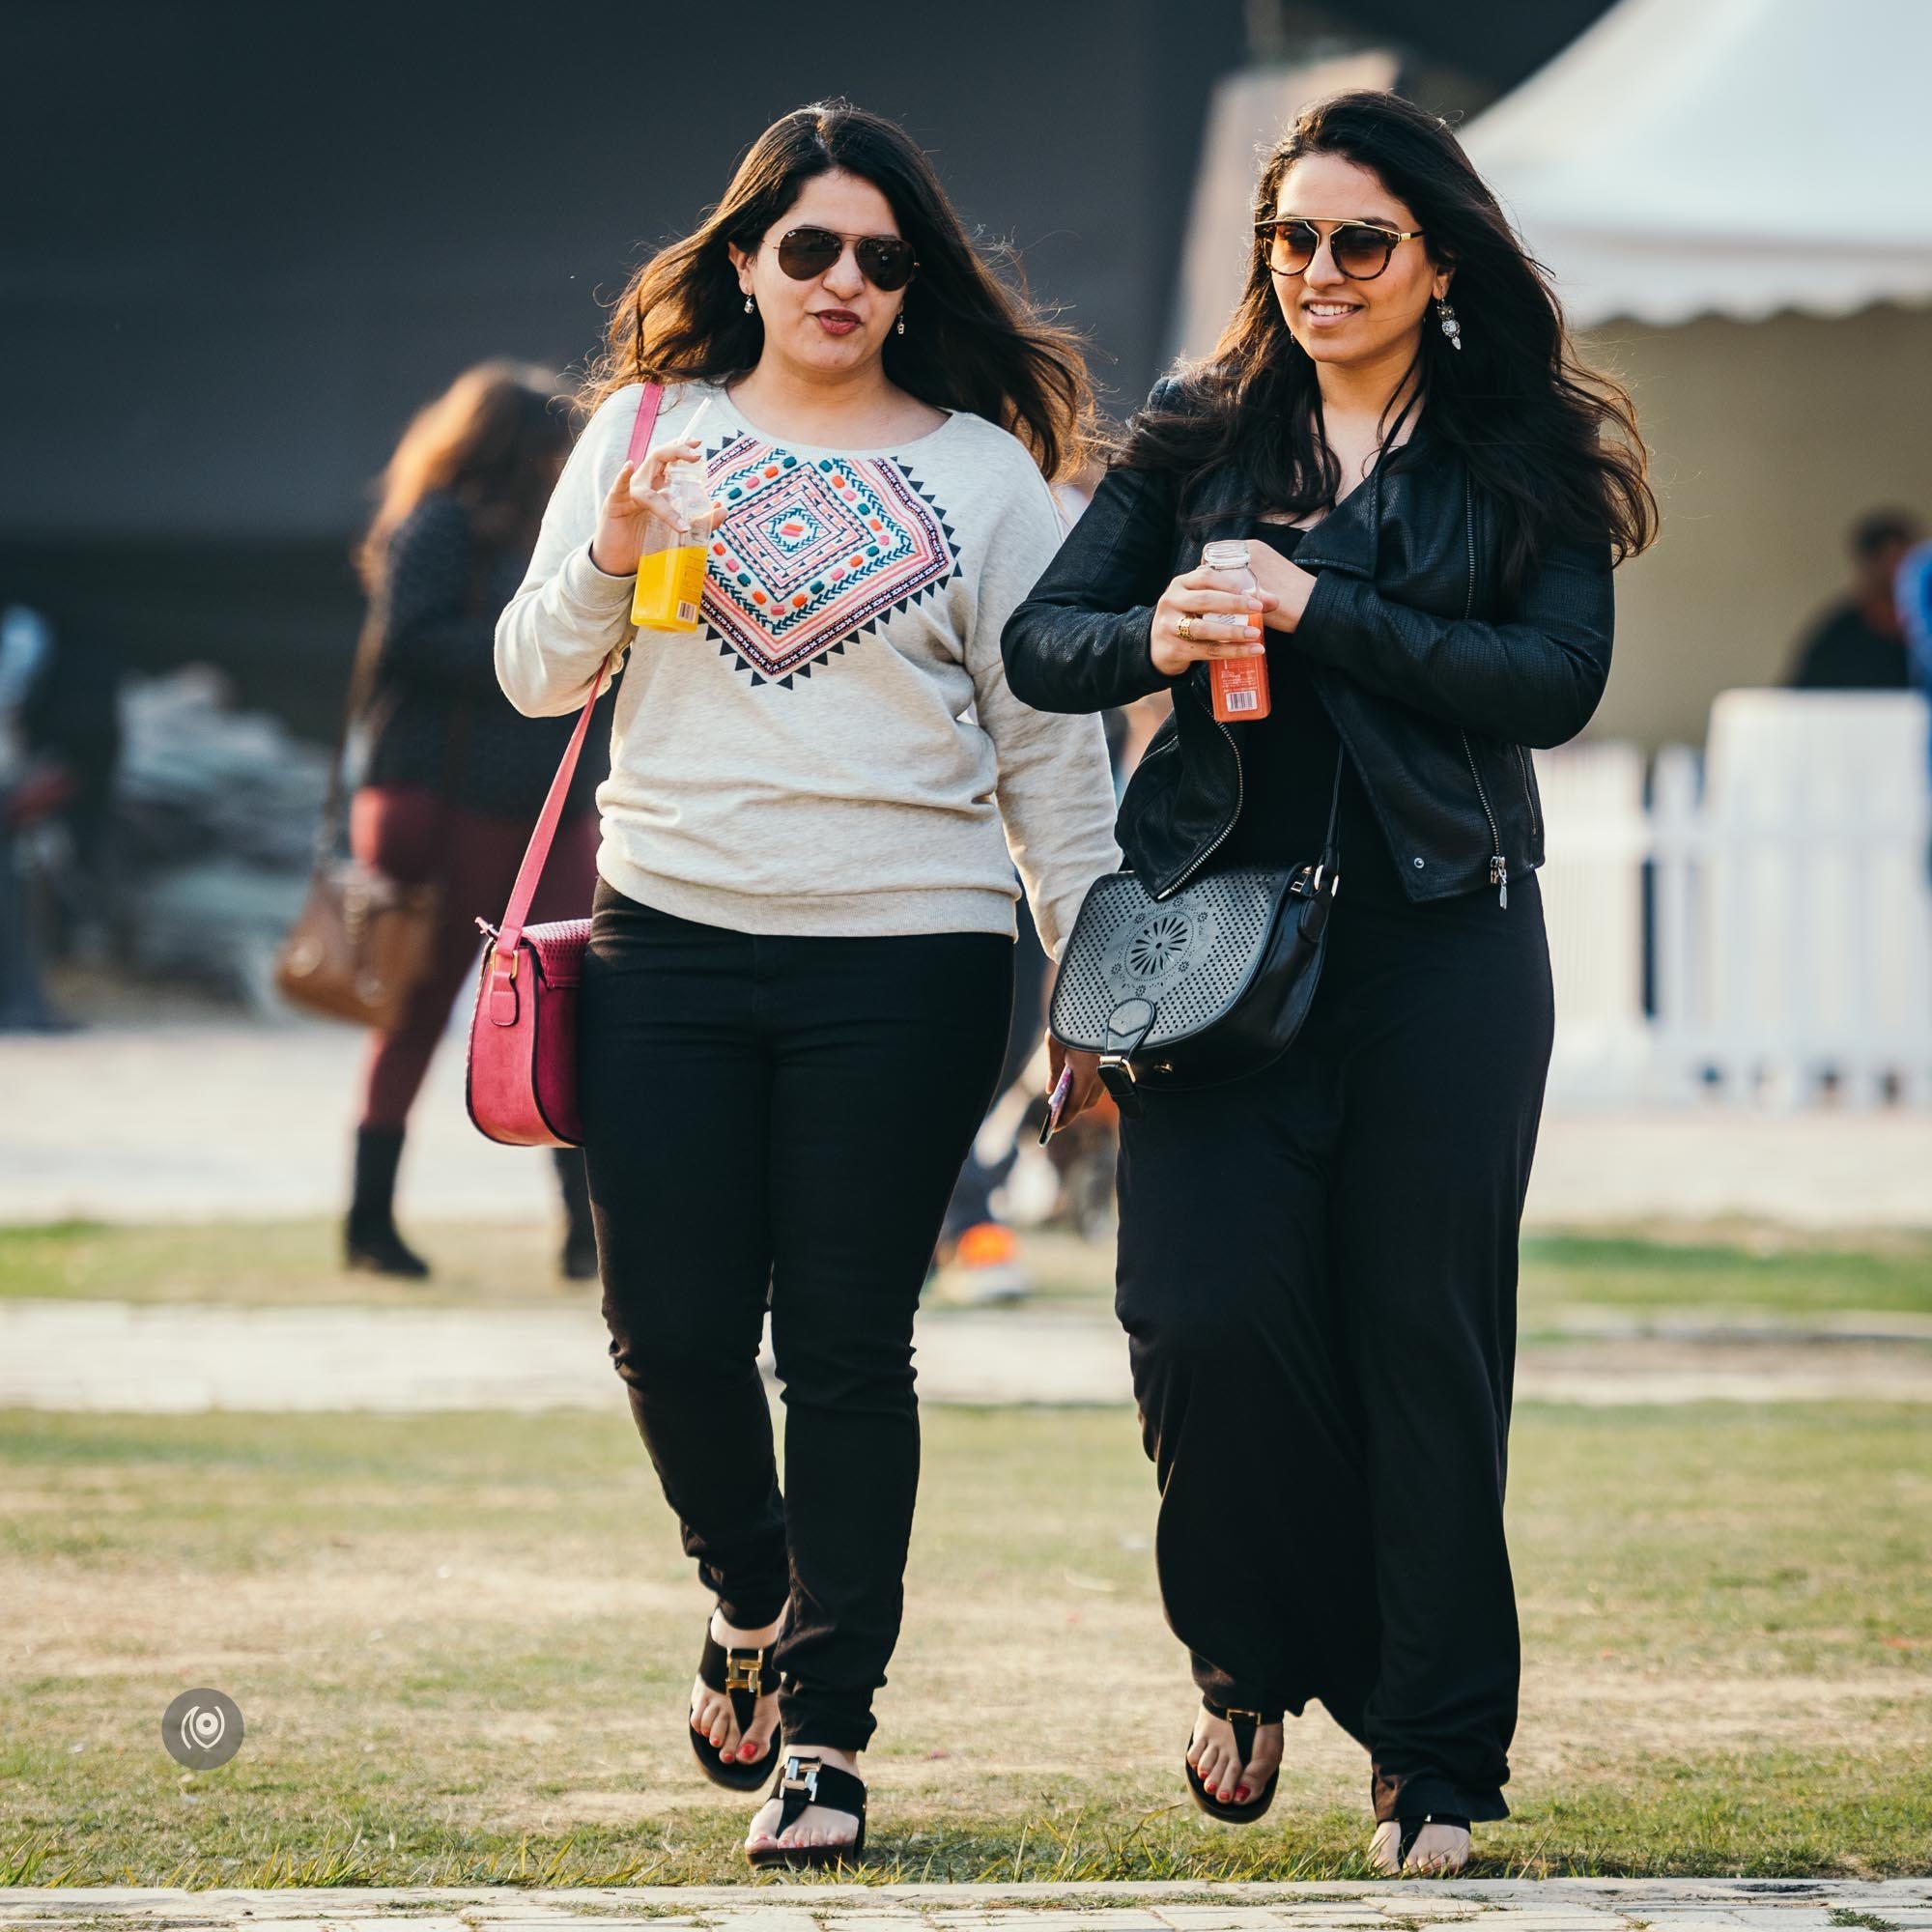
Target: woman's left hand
1085, 1087
1287, 583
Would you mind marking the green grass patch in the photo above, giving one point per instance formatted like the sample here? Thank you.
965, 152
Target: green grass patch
1782, 1275
282, 1263
462, 1643
297, 1263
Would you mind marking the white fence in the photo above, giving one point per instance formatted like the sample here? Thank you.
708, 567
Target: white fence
1789, 925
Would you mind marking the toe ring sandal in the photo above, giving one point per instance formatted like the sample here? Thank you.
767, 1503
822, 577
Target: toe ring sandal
1411, 1830
804, 1781
1245, 1725
744, 1677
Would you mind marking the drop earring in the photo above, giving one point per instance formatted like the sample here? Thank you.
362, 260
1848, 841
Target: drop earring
751, 307
1451, 328
901, 321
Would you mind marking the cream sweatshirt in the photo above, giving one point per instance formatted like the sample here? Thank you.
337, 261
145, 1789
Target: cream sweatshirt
835, 749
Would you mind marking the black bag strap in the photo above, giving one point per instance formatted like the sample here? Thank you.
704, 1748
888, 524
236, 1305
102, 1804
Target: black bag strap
1331, 845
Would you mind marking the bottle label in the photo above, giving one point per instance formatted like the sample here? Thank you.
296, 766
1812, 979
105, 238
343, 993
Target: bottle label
671, 588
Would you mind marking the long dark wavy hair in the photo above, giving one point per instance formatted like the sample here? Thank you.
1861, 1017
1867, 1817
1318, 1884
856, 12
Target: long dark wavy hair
494, 439
1553, 444
973, 341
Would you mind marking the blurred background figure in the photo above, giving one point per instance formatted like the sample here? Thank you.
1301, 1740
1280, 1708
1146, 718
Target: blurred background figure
1006, 1181
1912, 593
1858, 645
978, 1254
59, 742
29, 788
454, 778
979, 1259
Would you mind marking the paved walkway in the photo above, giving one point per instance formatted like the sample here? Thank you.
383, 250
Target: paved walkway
1500, 1905
182, 1359
196, 1121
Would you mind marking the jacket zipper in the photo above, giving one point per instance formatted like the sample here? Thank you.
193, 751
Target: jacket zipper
1221, 837
1528, 793
1499, 871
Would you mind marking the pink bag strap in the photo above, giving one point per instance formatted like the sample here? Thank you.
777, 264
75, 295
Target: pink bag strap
551, 816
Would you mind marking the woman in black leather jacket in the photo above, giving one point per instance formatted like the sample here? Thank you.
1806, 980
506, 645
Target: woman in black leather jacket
1318, 1260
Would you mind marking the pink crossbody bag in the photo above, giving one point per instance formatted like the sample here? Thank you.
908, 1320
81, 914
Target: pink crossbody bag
522, 1080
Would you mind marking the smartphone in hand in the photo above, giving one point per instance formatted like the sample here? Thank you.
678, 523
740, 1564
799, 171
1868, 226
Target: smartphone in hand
1056, 1105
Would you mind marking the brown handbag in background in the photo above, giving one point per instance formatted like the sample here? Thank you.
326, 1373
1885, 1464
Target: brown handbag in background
363, 940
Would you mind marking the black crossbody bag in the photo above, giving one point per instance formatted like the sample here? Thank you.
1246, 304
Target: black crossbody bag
1203, 986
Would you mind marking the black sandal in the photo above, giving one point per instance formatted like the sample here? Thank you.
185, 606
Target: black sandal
744, 1677
1246, 1723
805, 1781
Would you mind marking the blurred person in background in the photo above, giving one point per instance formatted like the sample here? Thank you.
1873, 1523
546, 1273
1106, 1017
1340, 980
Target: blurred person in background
1913, 594
454, 776
1858, 645
979, 1260
31, 786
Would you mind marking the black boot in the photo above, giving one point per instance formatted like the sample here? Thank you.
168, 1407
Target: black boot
370, 1241
580, 1243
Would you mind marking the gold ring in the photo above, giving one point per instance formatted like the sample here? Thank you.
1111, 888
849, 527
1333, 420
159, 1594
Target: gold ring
1184, 628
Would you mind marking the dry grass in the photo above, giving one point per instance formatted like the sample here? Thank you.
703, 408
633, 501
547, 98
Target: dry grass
462, 1645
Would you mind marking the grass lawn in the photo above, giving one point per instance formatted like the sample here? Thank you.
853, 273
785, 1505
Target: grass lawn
1729, 1272
462, 1645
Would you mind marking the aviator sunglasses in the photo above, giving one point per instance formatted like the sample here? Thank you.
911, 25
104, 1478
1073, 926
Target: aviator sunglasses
886, 260
1361, 249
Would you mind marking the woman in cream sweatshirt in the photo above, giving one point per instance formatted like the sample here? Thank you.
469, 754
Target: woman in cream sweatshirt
797, 991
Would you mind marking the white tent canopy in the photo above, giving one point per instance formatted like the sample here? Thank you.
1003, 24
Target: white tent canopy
1736, 157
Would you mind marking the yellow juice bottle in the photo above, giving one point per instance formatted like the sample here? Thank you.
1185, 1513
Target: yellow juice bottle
671, 582
671, 588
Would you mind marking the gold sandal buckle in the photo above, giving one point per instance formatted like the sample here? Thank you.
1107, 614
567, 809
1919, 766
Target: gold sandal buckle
744, 1671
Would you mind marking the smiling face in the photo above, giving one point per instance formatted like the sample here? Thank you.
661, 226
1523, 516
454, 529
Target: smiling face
1337, 320
837, 322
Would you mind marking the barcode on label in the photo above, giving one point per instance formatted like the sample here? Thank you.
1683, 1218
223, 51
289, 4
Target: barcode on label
686, 611
1242, 700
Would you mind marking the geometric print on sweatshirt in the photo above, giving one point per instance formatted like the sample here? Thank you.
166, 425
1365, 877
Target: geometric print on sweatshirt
812, 551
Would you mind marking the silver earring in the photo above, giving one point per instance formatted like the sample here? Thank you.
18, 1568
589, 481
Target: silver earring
751, 307
901, 321
1451, 328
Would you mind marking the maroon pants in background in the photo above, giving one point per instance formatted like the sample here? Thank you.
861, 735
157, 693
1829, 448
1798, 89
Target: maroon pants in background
410, 833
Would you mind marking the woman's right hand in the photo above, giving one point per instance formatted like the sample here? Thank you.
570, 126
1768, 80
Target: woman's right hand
1220, 613
638, 516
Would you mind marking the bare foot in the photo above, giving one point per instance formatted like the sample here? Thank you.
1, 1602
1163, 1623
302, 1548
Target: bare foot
1218, 1764
711, 1712
816, 1824
1438, 1850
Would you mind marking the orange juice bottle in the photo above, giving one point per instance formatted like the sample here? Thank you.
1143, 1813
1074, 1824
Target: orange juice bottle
671, 582
1239, 685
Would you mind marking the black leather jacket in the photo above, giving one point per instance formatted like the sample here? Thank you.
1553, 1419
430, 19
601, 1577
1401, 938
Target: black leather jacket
1434, 688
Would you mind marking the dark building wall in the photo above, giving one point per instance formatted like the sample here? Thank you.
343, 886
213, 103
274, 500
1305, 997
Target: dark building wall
254, 239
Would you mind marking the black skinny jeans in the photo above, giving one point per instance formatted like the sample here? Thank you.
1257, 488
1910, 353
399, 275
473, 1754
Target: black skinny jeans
1318, 1269
782, 1115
